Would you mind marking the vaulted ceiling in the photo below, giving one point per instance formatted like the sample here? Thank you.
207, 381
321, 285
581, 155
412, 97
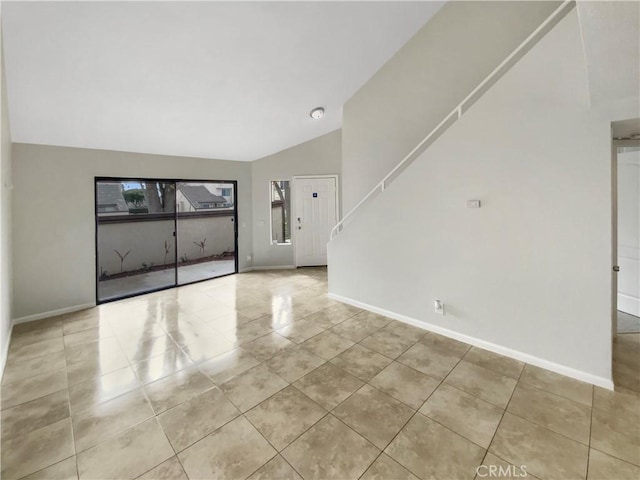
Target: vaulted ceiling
229, 80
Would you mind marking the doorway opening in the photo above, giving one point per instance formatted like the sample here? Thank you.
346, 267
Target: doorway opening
153, 234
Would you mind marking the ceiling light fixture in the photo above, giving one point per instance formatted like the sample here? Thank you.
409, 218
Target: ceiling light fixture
317, 113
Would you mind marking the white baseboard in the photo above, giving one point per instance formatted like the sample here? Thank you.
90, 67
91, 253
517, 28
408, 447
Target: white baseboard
52, 313
274, 267
507, 352
5, 353
629, 304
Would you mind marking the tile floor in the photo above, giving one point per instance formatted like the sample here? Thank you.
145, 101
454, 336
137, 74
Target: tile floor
261, 376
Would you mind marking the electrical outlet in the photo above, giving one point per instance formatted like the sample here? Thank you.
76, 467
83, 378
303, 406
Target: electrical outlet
249, 257
438, 307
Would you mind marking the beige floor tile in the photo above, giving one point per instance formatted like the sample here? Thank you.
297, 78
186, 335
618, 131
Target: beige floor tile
267, 346
177, 388
90, 360
27, 389
256, 312
328, 385
387, 343
209, 348
545, 454
559, 384
429, 360
64, 470
51, 332
327, 345
26, 454
101, 389
330, 317
87, 336
374, 415
193, 334
33, 367
619, 400
252, 387
301, 330
20, 352
330, 449
192, 420
233, 451
405, 384
406, 331
161, 366
168, 470
444, 344
385, 468
126, 455
497, 363
482, 383
276, 468
615, 434
250, 331
474, 419
559, 414
44, 324
138, 350
98, 422
606, 467
294, 363
286, 415
361, 362
429, 450
626, 361
227, 321
35, 414
226, 366
78, 323
360, 326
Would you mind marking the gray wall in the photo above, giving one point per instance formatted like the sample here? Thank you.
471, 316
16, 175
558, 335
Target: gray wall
5, 223
529, 273
53, 224
319, 156
424, 81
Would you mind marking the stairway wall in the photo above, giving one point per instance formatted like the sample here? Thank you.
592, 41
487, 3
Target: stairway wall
424, 81
529, 273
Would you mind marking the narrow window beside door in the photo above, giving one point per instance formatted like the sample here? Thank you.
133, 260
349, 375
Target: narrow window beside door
280, 212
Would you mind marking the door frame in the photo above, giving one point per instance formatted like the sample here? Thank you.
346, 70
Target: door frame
175, 284
615, 144
294, 234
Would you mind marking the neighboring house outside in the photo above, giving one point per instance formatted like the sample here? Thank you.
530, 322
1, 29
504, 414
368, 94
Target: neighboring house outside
196, 198
110, 200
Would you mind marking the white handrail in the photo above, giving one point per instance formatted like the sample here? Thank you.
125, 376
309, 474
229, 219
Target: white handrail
457, 111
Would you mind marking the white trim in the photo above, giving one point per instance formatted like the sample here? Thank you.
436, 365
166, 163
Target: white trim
53, 313
294, 235
6, 353
267, 267
508, 352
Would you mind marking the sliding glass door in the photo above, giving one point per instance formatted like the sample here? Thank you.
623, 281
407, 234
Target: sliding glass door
206, 230
156, 234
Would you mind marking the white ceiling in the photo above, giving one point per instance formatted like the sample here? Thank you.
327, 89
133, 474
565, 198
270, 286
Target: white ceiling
230, 80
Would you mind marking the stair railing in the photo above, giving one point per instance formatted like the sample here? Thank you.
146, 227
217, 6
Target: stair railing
458, 111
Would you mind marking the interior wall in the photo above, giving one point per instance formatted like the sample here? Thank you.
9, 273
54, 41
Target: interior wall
527, 274
629, 230
425, 81
54, 228
5, 220
319, 156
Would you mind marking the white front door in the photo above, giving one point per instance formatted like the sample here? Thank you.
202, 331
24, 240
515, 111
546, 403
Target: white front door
315, 214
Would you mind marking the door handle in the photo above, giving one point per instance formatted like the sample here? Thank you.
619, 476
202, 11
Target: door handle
616, 268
